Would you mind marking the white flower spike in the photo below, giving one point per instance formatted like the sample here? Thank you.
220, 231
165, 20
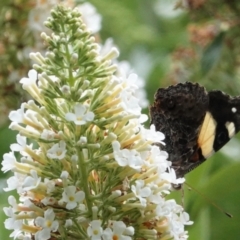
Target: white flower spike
91, 170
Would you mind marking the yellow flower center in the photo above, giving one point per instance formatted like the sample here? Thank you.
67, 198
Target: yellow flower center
48, 223
59, 153
115, 237
71, 198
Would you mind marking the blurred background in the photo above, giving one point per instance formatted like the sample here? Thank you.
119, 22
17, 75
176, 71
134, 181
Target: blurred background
165, 42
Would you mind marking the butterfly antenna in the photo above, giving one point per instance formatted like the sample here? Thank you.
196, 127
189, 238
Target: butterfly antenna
209, 200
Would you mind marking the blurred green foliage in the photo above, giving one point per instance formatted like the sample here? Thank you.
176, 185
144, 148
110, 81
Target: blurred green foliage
201, 44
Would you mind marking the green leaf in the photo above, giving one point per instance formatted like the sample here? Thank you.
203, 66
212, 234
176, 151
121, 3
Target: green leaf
223, 190
212, 54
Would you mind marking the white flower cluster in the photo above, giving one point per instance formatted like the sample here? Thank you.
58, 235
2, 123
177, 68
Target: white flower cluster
93, 171
93, 21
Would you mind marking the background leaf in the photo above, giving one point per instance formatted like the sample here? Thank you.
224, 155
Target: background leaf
212, 53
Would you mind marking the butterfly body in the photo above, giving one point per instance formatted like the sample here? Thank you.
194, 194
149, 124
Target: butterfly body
196, 123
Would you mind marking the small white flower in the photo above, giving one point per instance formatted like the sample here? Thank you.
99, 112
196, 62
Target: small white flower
177, 219
141, 191
48, 225
68, 223
159, 159
124, 72
47, 134
183, 235
171, 177
48, 201
185, 219
156, 198
143, 118
9, 162
39, 14
135, 85
126, 157
81, 115
57, 151
90, 16
30, 81
131, 84
28, 203
32, 181
167, 208
71, 197
107, 47
12, 222
15, 182
153, 135
19, 235
49, 184
95, 230
130, 103
18, 115
20, 145
13, 202
117, 232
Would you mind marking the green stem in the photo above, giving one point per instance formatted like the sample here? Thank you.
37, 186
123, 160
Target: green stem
84, 182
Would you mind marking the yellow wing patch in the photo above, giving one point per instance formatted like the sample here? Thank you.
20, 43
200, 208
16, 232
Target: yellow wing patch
207, 135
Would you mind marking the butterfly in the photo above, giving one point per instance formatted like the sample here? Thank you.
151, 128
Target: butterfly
196, 123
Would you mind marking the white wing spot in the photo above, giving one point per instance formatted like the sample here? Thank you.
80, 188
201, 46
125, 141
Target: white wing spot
234, 110
231, 128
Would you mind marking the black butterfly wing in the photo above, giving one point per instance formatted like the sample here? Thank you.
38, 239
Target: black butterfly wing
179, 111
195, 123
225, 111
